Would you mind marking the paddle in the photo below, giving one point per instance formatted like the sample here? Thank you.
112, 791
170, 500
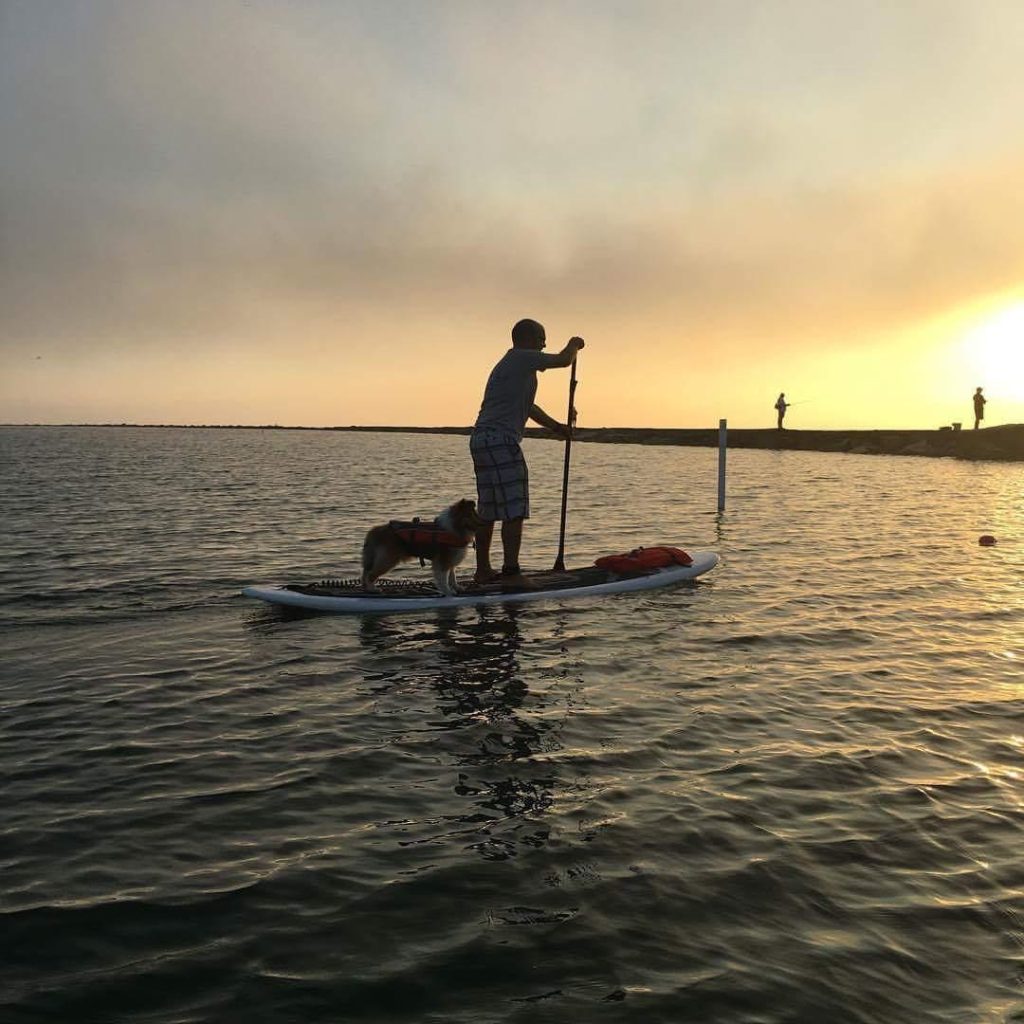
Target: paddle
560, 560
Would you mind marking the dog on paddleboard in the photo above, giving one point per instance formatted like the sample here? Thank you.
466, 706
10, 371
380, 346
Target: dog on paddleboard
443, 543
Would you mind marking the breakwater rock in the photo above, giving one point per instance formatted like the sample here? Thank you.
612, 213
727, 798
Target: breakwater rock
1003, 443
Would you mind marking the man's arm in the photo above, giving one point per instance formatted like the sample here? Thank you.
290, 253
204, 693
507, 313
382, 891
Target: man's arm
538, 415
567, 355
563, 358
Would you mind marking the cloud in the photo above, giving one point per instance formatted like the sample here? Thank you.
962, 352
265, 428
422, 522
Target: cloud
152, 267
198, 173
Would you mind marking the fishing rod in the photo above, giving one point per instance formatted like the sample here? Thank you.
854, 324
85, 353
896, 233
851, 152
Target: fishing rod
570, 417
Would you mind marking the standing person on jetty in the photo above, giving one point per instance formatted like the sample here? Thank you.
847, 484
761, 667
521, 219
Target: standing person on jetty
781, 406
502, 482
979, 407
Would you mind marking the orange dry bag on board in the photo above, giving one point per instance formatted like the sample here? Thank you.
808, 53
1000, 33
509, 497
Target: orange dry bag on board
643, 560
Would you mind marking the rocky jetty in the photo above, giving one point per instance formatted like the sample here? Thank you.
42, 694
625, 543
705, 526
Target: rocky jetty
1004, 443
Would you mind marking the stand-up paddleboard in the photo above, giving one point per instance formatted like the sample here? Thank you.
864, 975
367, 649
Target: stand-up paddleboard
347, 597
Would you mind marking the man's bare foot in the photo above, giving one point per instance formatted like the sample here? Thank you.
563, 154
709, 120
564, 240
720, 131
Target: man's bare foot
481, 579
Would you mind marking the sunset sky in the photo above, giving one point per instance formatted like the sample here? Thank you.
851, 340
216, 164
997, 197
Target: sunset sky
317, 213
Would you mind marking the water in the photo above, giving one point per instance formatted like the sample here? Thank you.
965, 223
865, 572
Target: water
790, 792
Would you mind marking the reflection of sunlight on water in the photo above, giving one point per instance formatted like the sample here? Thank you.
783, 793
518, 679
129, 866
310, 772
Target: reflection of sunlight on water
1010, 509
997, 573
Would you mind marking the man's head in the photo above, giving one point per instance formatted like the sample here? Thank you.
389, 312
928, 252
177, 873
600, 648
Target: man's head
528, 334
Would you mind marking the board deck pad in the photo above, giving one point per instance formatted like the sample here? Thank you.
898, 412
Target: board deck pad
348, 596
553, 579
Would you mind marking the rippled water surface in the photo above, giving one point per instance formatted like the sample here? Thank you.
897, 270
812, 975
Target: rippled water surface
789, 792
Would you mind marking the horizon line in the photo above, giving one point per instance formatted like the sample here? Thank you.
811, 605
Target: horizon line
468, 429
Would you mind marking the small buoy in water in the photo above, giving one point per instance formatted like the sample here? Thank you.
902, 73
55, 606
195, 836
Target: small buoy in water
987, 540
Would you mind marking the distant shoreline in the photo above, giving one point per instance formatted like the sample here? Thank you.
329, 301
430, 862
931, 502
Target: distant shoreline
1003, 443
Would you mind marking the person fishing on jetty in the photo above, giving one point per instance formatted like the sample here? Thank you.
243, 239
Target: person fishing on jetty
979, 407
502, 481
781, 405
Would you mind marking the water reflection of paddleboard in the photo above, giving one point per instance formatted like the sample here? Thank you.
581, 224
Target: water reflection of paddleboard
348, 597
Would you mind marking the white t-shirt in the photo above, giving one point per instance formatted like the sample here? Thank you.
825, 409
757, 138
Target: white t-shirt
511, 389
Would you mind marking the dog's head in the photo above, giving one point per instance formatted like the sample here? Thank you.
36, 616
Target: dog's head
464, 518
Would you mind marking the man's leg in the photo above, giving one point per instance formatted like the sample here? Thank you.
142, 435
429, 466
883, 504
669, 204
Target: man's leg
486, 495
484, 572
503, 492
511, 539
511, 542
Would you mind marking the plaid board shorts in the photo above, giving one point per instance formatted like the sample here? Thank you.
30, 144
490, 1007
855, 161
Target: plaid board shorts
502, 482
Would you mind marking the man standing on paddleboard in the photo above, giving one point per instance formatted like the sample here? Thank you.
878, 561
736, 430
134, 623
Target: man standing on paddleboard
502, 482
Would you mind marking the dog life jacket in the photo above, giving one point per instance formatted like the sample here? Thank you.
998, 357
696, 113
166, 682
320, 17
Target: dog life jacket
424, 540
643, 560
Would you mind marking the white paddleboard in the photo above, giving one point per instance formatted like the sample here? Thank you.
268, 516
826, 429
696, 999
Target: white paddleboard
347, 598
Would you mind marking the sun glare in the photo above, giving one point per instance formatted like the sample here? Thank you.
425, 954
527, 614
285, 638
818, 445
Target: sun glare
995, 351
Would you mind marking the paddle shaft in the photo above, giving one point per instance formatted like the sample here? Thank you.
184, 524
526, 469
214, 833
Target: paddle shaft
560, 559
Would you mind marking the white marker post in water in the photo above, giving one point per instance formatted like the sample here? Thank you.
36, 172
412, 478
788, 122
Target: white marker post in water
722, 432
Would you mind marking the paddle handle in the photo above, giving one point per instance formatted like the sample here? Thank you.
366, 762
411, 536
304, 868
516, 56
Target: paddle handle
560, 558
